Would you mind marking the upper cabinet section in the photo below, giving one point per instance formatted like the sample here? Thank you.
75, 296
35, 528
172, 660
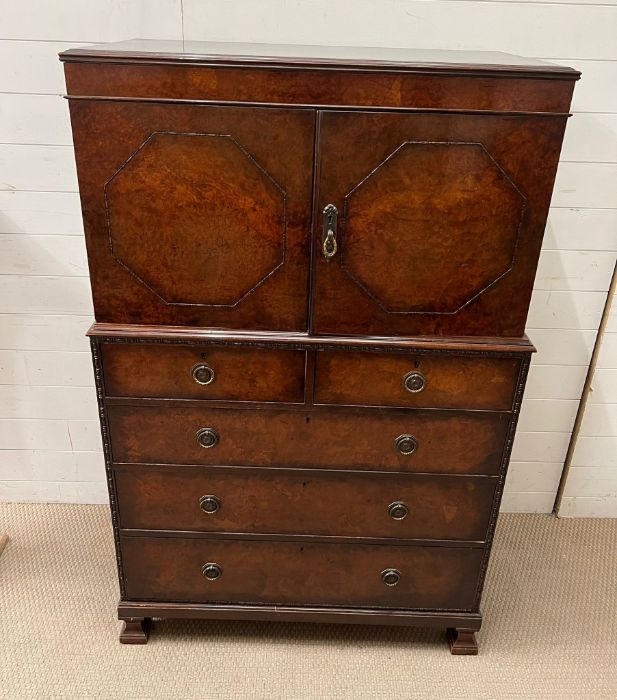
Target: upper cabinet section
422, 178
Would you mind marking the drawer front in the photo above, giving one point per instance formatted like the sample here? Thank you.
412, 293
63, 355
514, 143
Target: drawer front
447, 442
291, 573
298, 502
423, 381
203, 372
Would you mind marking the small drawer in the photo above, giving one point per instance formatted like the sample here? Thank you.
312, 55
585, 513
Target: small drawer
469, 442
200, 570
299, 502
424, 381
203, 372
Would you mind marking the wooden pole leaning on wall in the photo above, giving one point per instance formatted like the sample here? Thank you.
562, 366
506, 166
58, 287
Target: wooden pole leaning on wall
3, 540
612, 291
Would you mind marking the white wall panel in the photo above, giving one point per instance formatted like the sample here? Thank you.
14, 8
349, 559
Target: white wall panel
33, 491
556, 346
554, 2
47, 333
592, 185
546, 30
565, 310
85, 435
18, 401
595, 451
46, 368
62, 256
104, 20
50, 465
600, 420
540, 446
611, 325
46, 168
40, 213
527, 502
535, 477
608, 356
575, 270
16, 434
83, 492
547, 415
593, 482
33, 66
34, 119
591, 137
555, 382
581, 229
576, 507
22, 294
604, 386
91, 467
54, 491
595, 91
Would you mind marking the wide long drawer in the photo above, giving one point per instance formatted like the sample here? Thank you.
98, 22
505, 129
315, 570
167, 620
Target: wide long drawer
367, 504
416, 380
200, 570
413, 441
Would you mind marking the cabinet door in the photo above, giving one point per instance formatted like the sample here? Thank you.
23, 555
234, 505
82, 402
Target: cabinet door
196, 215
440, 221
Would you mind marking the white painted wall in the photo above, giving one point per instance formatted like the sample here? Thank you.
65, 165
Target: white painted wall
591, 487
49, 441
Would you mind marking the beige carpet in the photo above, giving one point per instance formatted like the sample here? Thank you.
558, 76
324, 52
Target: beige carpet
550, 627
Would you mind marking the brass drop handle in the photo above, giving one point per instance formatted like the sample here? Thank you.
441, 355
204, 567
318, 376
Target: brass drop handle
211, 571
391, 577
202, 374
406, 444
210, 504
414, 382
329, 245
398, 510
207, 437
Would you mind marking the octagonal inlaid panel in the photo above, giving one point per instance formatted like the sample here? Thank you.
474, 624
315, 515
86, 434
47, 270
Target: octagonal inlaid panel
431, 228
185, 209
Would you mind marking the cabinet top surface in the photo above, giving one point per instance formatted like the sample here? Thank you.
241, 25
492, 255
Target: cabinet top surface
209, 52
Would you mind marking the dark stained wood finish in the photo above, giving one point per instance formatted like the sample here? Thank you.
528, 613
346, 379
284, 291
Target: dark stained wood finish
167, 235
182, 206
135, 630
304, 613
451, 381
283, 573
325, 88
416, 223
203, 172
458, 443
462, 641
296, 56
314, 614
177, 335
297, 502
240, 374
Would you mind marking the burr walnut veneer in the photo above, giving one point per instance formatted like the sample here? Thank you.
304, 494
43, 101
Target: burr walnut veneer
311, 270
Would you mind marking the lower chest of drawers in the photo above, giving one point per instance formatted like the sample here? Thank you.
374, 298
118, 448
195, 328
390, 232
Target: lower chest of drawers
376, 491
